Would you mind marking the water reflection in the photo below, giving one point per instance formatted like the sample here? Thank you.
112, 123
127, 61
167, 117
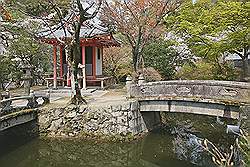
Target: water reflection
156, 150
17, 136
172, 146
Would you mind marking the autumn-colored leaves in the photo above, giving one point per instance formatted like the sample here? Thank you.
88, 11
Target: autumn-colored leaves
5, 14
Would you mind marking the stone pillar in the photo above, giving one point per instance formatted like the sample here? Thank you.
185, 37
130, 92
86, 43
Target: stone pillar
128, 84
48, 95
32, 102
7, 93
141, 79
32, 94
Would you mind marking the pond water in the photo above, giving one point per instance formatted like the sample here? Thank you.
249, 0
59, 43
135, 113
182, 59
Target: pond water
166, 146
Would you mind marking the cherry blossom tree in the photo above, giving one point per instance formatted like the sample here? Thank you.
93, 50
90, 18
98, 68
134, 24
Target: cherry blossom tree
138, 21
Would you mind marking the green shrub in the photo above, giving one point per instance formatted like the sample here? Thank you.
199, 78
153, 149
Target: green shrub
207, 71
162, 58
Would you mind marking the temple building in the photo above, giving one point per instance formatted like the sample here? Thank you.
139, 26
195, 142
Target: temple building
93, 38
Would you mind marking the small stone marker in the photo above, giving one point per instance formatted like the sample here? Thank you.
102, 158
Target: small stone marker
141, 79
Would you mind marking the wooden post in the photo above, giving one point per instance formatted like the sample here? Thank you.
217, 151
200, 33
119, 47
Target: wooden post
54, 63
61, 61
101, 58
94, 62
83, 69
68, 77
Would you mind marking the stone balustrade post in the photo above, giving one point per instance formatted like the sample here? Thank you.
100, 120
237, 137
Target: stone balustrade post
7, 93
32, 101
128, 84
141, 79
32, 93
47, 99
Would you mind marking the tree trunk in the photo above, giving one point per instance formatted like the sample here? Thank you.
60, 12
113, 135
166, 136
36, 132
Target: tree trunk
245, 67
77, 97
134, 60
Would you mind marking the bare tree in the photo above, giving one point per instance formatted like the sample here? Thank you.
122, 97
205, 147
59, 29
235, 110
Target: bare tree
80, 15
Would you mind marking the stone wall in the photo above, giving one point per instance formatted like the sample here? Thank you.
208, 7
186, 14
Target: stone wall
245, 110
72, 121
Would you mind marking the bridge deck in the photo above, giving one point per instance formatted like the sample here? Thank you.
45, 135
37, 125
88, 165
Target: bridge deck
216, 98
220, 91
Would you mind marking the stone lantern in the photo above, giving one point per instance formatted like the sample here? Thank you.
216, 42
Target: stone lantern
27, 78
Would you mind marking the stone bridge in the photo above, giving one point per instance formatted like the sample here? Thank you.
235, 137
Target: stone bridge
215, 98
19, 110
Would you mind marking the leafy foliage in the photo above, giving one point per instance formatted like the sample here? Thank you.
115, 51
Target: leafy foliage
212, 29
26, 51
37, 7
207, 71
8, 71
162, 57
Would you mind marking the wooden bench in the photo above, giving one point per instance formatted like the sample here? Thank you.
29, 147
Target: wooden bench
103, 81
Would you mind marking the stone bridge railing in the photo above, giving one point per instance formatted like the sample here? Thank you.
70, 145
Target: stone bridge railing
219, 91
31, 101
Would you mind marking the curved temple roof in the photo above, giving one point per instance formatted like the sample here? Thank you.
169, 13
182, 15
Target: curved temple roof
91, 34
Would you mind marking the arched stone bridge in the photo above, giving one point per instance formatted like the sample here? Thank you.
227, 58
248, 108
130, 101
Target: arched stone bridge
215, 98
12, 115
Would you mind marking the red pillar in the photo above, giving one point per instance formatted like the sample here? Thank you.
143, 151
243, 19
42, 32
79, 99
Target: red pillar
61, 61
54, 63
83, 55
102, 58
94, 62
83, 70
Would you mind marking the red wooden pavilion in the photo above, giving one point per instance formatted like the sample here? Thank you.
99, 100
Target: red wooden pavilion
92, 41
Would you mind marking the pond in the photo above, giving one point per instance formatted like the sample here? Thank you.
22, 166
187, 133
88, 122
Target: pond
174, 145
